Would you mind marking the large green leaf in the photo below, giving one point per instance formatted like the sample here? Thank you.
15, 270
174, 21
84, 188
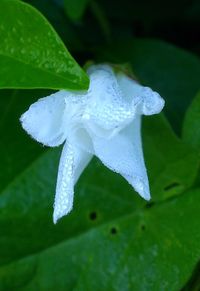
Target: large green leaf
153, 244
31, 53
171, 71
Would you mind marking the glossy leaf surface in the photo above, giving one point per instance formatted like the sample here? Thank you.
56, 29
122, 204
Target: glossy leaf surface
31, 54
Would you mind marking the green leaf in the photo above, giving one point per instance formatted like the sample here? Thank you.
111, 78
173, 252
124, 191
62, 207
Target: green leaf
31, 53
14, 155
191, 125
171, 71
152, 244
75, 8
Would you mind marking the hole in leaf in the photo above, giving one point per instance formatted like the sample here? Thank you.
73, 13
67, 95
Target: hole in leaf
149, 204
171, 186
93, 215
113, 230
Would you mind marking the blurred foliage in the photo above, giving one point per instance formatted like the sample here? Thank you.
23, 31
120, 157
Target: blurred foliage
112, 240
175, 21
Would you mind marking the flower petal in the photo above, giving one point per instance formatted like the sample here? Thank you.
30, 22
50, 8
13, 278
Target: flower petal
107, 112
143, 98
43, 119
123, 154
72, 163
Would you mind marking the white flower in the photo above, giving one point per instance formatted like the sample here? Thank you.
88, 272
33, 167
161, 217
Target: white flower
105, 121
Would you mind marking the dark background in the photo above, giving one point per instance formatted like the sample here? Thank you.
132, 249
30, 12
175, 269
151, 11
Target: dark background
175, 21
